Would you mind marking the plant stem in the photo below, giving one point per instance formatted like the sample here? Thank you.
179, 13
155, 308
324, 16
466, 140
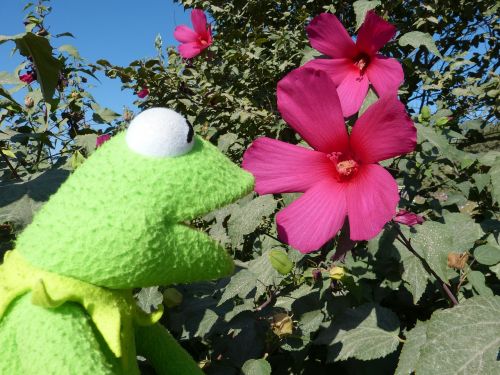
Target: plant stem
12, 169
444, 287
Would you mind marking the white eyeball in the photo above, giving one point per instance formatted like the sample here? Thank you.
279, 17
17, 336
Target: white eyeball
160, 132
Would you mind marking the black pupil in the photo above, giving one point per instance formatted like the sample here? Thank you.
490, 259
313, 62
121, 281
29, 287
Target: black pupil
190, 132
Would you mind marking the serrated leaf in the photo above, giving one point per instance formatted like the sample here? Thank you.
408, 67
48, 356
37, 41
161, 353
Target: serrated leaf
494, 173
247, 217
310, 321
40, 51
148, 299
226, 140
478, 282
410, 353
415, 276
419, 38
367, 332
481, 180
240, 284
207, 322
70, 50
463, 340
103, 115
256, 367
87, 142
264, 272
361, 7
469, 232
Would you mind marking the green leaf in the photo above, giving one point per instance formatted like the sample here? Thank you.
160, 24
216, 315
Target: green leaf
207, 322
410, 353
370, 98
494, 173
463, 340
481, 180
7, 78
433, 242
415, 276
419, 38
247, 217
148, 299
241, 284
264, 272
103, 115
47, 66
70, 50
87, 142
478, 282
279, 261
256, 367
489, 253
225, 141
367, 332
361, 7
309, 54
469, 232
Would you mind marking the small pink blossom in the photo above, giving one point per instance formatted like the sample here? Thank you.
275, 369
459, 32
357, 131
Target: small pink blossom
354, 65
408, 218
28, 77
194, 41
101, 139
340, 176
143, 93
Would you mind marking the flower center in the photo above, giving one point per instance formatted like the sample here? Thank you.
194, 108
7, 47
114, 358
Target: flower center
344, 166
362, 61
347, 168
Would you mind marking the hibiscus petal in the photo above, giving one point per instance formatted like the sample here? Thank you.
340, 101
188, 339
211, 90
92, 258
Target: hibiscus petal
372, 197
189, 50
352, 91
328, 35
337, 69
184, 34
308, 101
280, 167
383, 131
314, 218
385, 74
374, 33
199, 21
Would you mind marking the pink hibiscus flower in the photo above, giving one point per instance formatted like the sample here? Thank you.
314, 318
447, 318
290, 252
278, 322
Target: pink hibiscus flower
102, 139
143, 93
28, 77
194, 41
340, 176
354, 65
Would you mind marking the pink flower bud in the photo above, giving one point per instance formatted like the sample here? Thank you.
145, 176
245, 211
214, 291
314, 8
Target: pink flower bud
101, 139
28, 77
408, 218
143, 93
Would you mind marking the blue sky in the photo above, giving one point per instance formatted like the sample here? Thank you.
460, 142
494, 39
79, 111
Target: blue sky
119, 31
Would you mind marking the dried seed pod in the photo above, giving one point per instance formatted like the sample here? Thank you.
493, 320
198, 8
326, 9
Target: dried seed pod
457, 260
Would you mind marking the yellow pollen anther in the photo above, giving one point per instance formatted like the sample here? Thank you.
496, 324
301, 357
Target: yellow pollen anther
347, 168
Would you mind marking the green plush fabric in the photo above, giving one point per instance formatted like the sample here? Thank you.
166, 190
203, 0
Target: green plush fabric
111, 311
118, 220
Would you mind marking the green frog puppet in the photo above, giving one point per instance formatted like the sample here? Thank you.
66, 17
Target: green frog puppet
119, 222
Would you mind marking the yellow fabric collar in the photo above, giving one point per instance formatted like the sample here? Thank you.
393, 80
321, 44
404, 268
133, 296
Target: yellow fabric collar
113, 311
